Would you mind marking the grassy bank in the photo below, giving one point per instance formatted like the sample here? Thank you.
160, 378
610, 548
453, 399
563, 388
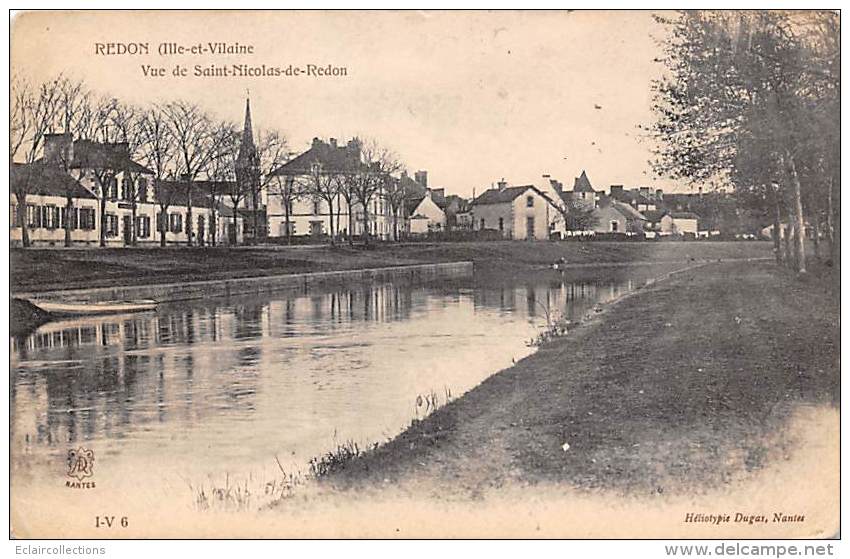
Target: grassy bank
684, 386
48, 269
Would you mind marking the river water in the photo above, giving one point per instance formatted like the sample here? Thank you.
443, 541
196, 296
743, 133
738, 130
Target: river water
206, 391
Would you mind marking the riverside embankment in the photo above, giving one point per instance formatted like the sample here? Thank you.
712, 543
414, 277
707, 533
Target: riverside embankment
684, 386
58, 268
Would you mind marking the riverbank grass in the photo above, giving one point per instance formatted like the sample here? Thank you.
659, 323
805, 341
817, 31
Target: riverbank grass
684, 386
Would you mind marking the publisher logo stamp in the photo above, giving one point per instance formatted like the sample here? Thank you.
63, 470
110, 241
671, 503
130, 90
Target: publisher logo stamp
80, 468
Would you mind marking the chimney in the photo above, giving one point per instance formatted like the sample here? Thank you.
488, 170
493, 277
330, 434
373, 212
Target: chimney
700, 192
316, 142
617, 190
502, 184
58, 148
333, 142
547, 176
422, 178
644, 191
659, 194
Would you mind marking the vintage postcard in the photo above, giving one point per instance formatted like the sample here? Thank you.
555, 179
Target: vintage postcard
424, 274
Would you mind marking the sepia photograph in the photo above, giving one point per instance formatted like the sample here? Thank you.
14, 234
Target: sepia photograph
425, 274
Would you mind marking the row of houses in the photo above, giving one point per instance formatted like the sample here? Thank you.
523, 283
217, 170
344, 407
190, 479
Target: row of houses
95, 193
547, 210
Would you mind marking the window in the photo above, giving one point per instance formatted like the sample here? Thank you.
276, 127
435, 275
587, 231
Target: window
51, 217
33, 216
316, 207
110, 225
74, 214
127, 193
482, 223
615, 226
501, 224
112, 189
143, 226
87, 219
529, 201
176, 222
143, 191
13, 215
291, 228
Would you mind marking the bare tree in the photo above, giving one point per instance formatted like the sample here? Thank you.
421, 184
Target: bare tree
157, 150
272, 151
322, 183
372, 177
192, 132
222, 173
32, 116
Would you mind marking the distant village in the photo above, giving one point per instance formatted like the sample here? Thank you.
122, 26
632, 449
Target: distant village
84, 192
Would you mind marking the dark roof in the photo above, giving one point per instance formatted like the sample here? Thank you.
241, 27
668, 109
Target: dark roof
411, 203
628, 211
505, 195
410, 186
332, 159
438, 195
622, 195
460, 204
96, 155
582, 183
684, 215
654, 216
176, 192
47, 180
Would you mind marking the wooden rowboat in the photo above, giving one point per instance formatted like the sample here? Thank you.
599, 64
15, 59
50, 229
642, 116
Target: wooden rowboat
84, 308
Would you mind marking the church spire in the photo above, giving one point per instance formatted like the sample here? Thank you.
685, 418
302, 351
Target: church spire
247, 148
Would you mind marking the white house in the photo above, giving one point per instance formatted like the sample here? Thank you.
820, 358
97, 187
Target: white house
517, 212
308, 214
425, 214
49, 189
679, 223
108, 194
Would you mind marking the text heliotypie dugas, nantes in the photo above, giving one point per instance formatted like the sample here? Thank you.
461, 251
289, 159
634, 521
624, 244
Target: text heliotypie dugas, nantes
739, 517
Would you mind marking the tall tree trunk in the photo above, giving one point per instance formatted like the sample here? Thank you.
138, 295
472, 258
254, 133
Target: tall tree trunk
103, 218
331, 220
213, 225
829, 231
787, 240
816, 225
235, 229
287, 204
835, 218
799, 225
256, 216
350, 224
22, 219
777, 232
366, 228
338, 214
163, 225
189, 227
69, 212
134, 235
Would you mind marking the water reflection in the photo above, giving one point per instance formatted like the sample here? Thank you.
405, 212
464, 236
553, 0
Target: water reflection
220, 384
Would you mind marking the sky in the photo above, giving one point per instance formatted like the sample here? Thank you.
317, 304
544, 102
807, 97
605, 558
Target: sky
471, 97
